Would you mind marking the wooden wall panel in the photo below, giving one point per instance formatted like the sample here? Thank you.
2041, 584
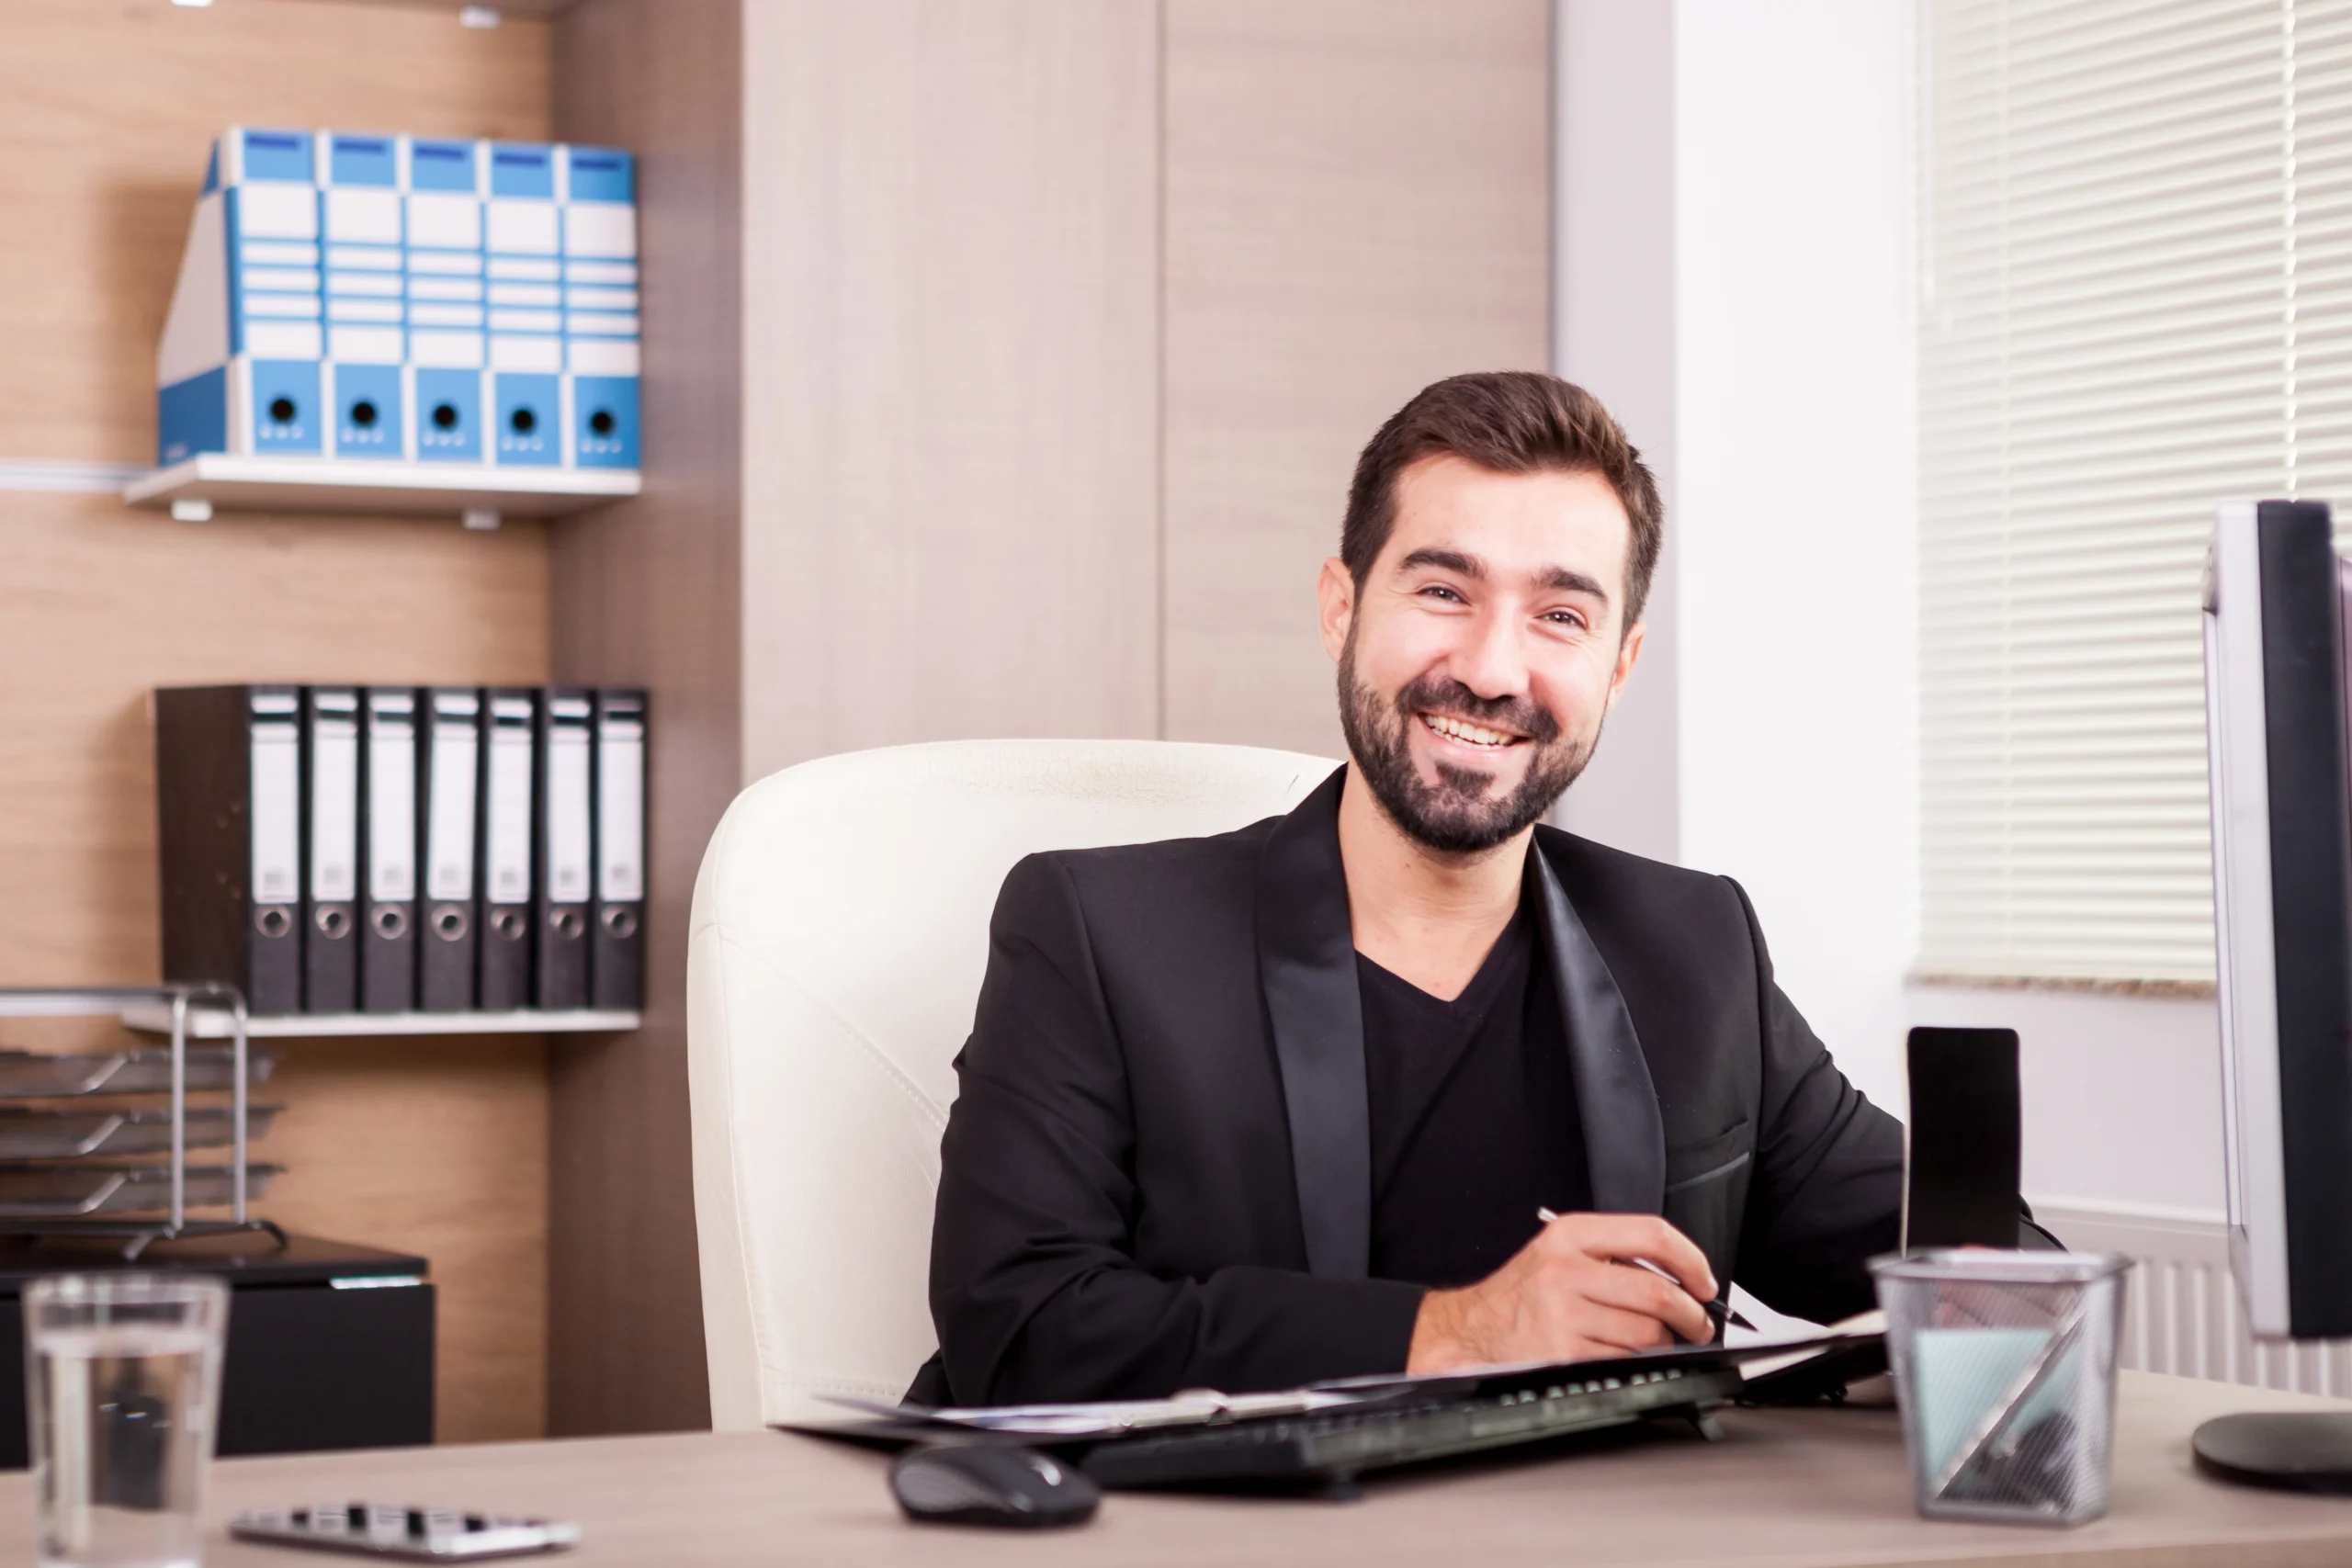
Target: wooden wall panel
950, 406
1358, 203
109, 106
648, 592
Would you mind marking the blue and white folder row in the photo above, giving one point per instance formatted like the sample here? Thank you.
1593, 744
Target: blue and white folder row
455, 320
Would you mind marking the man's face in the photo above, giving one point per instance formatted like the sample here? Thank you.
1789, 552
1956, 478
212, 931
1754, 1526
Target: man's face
1485, 648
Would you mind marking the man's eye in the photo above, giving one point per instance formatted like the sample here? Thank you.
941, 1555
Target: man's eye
1440, 591
1563, 617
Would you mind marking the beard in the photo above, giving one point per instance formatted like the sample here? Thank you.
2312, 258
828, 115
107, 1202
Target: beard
1458, 814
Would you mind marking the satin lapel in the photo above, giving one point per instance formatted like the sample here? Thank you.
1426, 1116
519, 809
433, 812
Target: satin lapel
1623, 1139
1307, 964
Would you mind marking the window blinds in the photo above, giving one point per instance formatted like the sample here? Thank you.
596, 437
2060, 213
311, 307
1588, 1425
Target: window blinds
2137, 246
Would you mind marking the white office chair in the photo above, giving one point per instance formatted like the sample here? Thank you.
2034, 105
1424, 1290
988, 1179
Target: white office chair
839, 936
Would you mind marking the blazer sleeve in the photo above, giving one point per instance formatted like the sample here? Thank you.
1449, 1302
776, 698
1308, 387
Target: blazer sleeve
1036, 1288
1827, 1194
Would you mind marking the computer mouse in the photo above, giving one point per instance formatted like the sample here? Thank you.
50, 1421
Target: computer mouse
991, 1484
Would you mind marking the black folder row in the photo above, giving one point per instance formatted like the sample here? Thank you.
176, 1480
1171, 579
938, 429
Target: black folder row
396, 849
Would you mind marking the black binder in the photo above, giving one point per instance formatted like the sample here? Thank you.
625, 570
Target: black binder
387, 849
509, 735
566, 790
617, 930
330, 849
448, 752
228, 799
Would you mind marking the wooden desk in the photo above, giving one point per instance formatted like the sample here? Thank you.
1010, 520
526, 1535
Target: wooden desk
1787, 1488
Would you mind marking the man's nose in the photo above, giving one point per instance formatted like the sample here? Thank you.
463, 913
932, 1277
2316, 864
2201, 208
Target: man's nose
1492, 663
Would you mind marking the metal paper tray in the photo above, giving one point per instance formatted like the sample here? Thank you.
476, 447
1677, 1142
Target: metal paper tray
38, 1075
70, 1191
27, 1133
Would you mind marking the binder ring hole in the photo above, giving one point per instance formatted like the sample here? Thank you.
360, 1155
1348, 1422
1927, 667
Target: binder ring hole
449, 923
334, 924
567, 922
444, 416
620, 922
390, 923
508, 924
273, 921
601, 422
362, 415
282, 409
523, 421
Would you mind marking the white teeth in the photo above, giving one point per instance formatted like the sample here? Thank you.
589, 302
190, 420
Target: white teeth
1472, 733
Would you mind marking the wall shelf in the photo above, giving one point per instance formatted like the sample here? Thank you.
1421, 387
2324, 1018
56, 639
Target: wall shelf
351, 484
156, 1018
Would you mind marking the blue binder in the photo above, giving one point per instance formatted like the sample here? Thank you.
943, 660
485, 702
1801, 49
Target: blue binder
392, 298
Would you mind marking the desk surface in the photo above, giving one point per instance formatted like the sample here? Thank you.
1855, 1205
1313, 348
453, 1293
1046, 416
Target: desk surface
1825, 1487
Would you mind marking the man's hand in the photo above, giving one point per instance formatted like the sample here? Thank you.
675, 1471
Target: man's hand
1570, 1295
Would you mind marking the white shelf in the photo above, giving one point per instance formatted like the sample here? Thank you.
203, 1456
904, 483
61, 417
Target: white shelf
353, 484
208, 1024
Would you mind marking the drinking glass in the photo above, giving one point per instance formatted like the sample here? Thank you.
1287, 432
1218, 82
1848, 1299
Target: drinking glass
122, 1375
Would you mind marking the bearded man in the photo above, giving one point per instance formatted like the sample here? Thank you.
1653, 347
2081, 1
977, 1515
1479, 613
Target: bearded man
1250, 1111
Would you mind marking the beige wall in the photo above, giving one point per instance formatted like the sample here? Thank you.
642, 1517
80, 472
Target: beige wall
108, 108
950, 397
1357, 203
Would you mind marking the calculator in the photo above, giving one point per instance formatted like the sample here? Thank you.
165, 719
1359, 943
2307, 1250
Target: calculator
413, 1534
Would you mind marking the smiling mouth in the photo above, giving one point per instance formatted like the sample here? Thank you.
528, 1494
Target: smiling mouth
1469, 734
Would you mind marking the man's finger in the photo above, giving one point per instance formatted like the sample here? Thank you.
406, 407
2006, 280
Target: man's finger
1632, 1288
1620, 1332
1646, 1236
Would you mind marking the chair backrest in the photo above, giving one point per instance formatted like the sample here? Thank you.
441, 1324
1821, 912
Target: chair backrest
839, 936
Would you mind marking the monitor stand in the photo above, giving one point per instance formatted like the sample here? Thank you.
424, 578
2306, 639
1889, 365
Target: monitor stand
2300, 1450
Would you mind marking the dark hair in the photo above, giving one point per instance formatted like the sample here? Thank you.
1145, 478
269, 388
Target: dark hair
1512, 422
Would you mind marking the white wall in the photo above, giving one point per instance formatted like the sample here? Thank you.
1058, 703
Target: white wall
1613, 333
1794, 367
1766, 147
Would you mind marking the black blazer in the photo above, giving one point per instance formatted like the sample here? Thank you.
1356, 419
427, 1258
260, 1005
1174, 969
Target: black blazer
1158, 1173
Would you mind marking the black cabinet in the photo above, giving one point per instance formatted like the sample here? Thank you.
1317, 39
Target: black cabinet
330, 1344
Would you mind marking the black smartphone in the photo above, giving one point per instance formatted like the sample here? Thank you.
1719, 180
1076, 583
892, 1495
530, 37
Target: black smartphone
1960, 1173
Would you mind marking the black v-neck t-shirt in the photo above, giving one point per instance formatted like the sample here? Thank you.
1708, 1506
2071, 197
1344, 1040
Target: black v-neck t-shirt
1474, 1114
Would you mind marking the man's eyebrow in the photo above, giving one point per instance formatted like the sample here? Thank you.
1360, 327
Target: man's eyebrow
1558, 579
1450, 561
1566, 581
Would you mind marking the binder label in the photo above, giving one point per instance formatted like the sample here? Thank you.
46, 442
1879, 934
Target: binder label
277, 810
620, 813
507, 840
334, 809
449, 846
391, 814
567, 823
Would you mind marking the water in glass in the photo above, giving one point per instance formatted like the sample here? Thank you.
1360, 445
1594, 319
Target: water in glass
122, 1406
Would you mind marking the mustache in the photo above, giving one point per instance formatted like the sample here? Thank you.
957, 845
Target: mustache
1444, 694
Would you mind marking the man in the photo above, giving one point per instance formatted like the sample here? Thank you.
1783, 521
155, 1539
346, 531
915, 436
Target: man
1282, 1105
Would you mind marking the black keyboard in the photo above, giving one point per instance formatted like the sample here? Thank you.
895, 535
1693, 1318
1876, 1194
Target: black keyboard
1330, 1447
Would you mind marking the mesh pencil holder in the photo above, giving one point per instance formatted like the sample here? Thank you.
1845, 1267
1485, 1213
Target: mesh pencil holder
2004, 1365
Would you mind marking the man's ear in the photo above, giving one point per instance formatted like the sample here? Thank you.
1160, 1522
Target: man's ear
1628, 653
1335, 593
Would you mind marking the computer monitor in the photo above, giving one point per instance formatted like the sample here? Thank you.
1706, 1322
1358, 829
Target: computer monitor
2276, 594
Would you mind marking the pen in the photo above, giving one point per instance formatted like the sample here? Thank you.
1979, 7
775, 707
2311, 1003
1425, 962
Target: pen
1718, 1310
